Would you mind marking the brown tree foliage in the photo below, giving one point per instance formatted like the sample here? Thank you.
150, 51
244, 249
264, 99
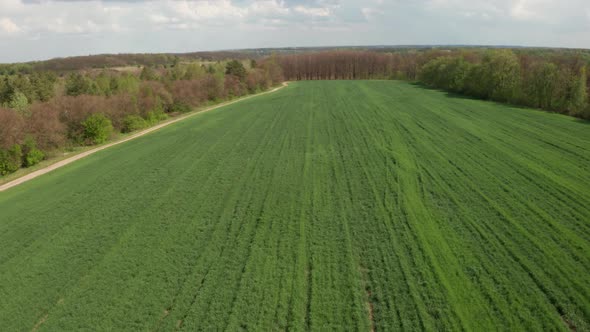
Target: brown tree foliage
257, 79
233, 87
11, 128
118, 107
346, 65
189, 92
45, 127
153, 94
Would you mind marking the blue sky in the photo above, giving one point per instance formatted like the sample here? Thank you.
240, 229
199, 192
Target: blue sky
42, 29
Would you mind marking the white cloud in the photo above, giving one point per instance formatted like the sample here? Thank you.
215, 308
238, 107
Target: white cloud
475, 7
523, 10
7, 26
319, 12
206, 10
544, 11
161, 19
268, 8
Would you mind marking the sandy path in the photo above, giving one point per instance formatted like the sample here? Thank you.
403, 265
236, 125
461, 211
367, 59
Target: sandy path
64, 162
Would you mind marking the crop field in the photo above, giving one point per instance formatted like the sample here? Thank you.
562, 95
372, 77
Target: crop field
347, 205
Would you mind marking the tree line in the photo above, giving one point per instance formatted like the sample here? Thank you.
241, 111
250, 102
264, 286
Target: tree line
43, 114
348, 65
103, 61
556, 84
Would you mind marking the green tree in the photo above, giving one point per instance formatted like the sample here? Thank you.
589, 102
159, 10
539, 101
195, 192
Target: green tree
542, 85
176, 70
6, 90
103, 84
125, 83
577, 103
194, 71
176, 62
501, 72
458, 70
446, 73
44, 85
148, 74
475, 84
571, 95
429, 73
77, 84
23, 84
97, 129
19, 103
236, 68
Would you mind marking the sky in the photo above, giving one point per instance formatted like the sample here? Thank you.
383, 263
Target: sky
43, 29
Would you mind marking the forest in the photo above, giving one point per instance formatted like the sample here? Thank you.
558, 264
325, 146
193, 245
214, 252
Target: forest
56, 105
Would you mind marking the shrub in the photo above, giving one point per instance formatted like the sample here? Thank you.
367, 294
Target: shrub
133, 123
10, 160
180, 107
30, 154
155, 116
33, 157
97, 128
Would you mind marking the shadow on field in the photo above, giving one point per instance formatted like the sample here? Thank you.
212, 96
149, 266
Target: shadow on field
583, 121
446, 93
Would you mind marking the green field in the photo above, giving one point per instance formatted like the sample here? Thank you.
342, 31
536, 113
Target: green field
327, 205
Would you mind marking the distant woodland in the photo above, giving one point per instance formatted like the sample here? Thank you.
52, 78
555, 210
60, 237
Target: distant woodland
53, 106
